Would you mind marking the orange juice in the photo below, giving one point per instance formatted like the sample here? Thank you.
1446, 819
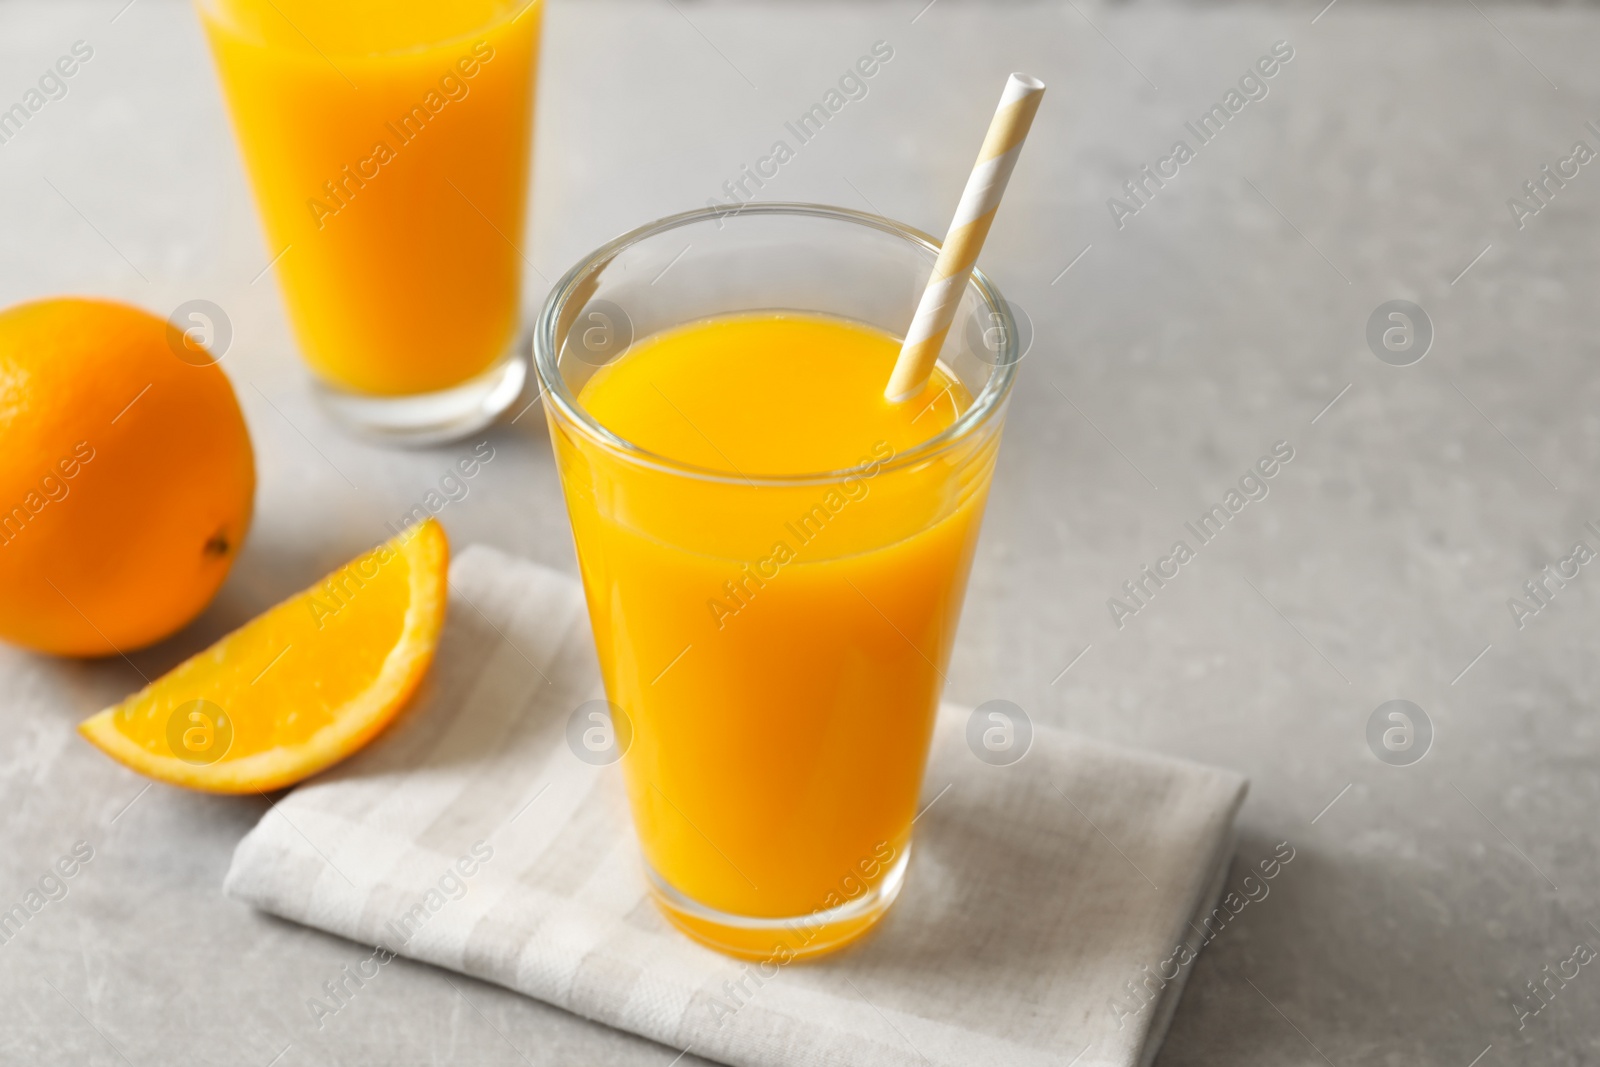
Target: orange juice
777, 640
387, 142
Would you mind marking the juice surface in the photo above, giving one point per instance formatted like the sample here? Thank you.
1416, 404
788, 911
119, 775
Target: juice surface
387, 143
778, 649
759, 395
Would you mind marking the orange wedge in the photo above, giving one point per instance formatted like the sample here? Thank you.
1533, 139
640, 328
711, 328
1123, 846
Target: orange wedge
297, 689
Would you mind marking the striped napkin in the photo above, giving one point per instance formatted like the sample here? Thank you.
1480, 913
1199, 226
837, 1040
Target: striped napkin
1050, 915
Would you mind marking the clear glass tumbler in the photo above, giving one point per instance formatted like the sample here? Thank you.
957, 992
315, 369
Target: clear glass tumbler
773, 760
387, 142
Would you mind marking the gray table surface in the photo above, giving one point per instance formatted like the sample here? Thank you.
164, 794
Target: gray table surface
1227, 315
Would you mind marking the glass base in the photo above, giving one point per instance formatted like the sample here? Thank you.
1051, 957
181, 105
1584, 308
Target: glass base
781, 940
428, 418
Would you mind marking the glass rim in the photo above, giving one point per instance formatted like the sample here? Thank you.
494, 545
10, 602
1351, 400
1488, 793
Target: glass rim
513, 11
546, 348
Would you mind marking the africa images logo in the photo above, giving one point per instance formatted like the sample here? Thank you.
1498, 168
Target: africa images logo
453, 86
1141, 189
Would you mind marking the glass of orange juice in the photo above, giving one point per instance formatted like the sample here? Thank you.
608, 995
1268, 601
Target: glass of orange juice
774, 555
387, 142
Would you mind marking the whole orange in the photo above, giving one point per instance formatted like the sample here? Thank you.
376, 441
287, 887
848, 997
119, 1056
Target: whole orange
126, 477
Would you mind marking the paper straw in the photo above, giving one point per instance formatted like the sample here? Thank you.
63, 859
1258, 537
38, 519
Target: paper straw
964, 240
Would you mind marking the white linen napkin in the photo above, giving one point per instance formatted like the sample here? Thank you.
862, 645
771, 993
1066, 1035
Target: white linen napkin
1050, 913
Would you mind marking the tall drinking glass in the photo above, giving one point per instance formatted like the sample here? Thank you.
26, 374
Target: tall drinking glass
387, 142
773, 645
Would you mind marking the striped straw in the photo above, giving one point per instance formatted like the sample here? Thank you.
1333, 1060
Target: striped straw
965, 238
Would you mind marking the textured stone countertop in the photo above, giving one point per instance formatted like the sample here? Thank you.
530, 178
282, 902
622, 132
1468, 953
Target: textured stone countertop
1226, 314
